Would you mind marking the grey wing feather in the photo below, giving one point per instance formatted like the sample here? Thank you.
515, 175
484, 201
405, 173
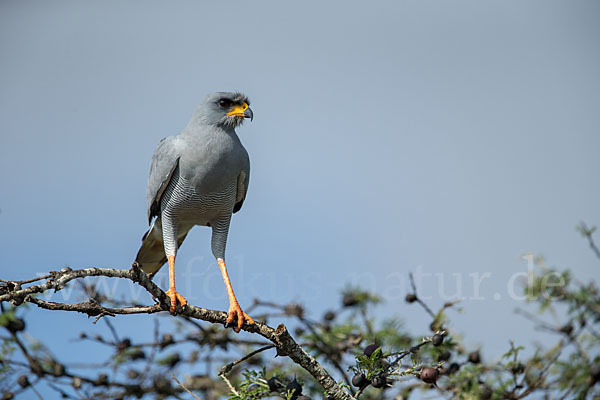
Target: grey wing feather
164, 162
242, 186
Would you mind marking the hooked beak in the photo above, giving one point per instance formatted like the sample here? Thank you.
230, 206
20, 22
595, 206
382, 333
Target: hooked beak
241, 110
249, 114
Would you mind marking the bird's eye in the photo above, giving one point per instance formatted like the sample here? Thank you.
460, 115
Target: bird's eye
224, 103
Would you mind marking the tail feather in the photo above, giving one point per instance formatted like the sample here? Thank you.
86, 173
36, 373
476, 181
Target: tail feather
151, 255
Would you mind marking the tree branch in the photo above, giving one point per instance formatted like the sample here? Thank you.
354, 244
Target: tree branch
284, 343
226, 368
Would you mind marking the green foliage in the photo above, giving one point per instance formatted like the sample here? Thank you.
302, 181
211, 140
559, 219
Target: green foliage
136, 353
7, 316
360, 297
369, 365
252, 386
344, 343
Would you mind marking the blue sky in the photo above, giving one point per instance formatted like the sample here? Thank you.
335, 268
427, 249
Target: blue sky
449, 138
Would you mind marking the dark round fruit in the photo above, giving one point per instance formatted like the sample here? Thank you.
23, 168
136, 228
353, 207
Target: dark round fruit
359, 380
474, 357
453, 368
274, 384
23, 381
437, 339
518, 369
253, 387
410, 298
379, 382
434, 326
167, 339
101, 380
429, 375
133, 374
294, 387
329, 316
444, 356
349, 300
123, 344
15, 325
566, 329
294, 310
173, 360
58, 369
137, 354
161, 385
486, 393
370, 349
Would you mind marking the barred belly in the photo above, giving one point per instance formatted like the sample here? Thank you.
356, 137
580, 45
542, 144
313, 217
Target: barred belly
181, 202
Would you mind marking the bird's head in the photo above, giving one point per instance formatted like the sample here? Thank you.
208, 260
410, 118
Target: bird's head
224, 109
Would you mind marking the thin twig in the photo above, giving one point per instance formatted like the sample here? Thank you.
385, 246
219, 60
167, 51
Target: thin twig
34, 365
360, 391
228, 367
92, 308
587, 232
540, 325
39, 396
154, 349
231, 387
103, 314
400, 355
414, 289
112, 330
368, 325
183, 387
39, 278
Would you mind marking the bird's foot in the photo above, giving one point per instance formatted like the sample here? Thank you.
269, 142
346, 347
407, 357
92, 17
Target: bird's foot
235, 311
175, 297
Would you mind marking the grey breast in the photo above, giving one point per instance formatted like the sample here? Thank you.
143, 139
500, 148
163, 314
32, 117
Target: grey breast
183, 207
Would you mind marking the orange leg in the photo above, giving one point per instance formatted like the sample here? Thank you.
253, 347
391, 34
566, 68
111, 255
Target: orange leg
234, 307
172, 293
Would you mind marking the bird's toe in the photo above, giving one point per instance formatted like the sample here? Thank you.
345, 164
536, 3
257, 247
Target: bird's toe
182, 300
175, 297
248, 319
235, 312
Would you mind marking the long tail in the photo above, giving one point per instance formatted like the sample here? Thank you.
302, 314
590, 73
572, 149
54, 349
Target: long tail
151, 255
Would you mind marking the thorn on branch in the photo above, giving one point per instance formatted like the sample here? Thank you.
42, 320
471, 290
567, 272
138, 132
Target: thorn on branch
103, 314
